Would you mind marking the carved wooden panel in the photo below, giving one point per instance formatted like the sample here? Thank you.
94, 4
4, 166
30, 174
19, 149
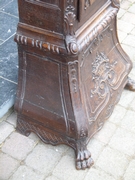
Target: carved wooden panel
42, 99
89, 7
103, 70
46, 20
50, 3
72, 70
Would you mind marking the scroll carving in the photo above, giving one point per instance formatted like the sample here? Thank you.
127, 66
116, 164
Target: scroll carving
103, 74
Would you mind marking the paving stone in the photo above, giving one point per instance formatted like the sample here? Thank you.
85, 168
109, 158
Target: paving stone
126, 98
4, 2
70, 152
95, 147
130, 51
112, 162
11, 8
18, 146
132, 9
129, 40
12, 119
132, 1
117, 115
9, 60
44, 158
34, 137
125, 4
129, 17
128, 121
5, 130
7, 93
130, 172
96, 174
121, 13
58, 148
132, 76
121, 36
1, 41
25, 173
9, 112
123, 141
132, 105
133, 32
65, 169
7, 166
51, 178
133, 70
9, 24
106, 132
124, 26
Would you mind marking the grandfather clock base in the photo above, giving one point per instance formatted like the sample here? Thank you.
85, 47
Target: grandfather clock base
72, 70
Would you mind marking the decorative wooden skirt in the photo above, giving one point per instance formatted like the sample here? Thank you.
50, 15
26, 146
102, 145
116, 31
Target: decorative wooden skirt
72, 70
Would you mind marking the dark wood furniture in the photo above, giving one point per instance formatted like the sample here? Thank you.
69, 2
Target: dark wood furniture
72, 70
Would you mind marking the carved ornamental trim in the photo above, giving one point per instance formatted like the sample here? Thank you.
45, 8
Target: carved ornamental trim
46, 46
46, 136
69, 20
73, 76
97, 30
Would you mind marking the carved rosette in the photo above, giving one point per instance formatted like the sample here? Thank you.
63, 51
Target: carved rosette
69, 20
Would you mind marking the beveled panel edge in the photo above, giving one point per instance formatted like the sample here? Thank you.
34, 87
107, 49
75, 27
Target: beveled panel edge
45, 4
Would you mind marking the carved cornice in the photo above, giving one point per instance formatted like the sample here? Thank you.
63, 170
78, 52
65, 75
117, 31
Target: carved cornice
89, 37
45, 46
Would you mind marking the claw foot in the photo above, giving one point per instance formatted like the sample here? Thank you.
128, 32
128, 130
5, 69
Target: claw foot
130, 84
83, 159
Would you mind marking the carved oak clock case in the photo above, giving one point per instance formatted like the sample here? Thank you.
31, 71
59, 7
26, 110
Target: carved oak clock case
72, 70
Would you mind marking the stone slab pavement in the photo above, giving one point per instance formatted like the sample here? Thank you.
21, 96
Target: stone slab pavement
8, 54
113, 148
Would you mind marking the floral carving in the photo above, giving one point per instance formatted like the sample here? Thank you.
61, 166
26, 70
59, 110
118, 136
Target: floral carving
73, 76
103, 74
69, 20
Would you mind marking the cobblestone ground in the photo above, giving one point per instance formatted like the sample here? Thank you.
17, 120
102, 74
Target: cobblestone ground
113, 148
